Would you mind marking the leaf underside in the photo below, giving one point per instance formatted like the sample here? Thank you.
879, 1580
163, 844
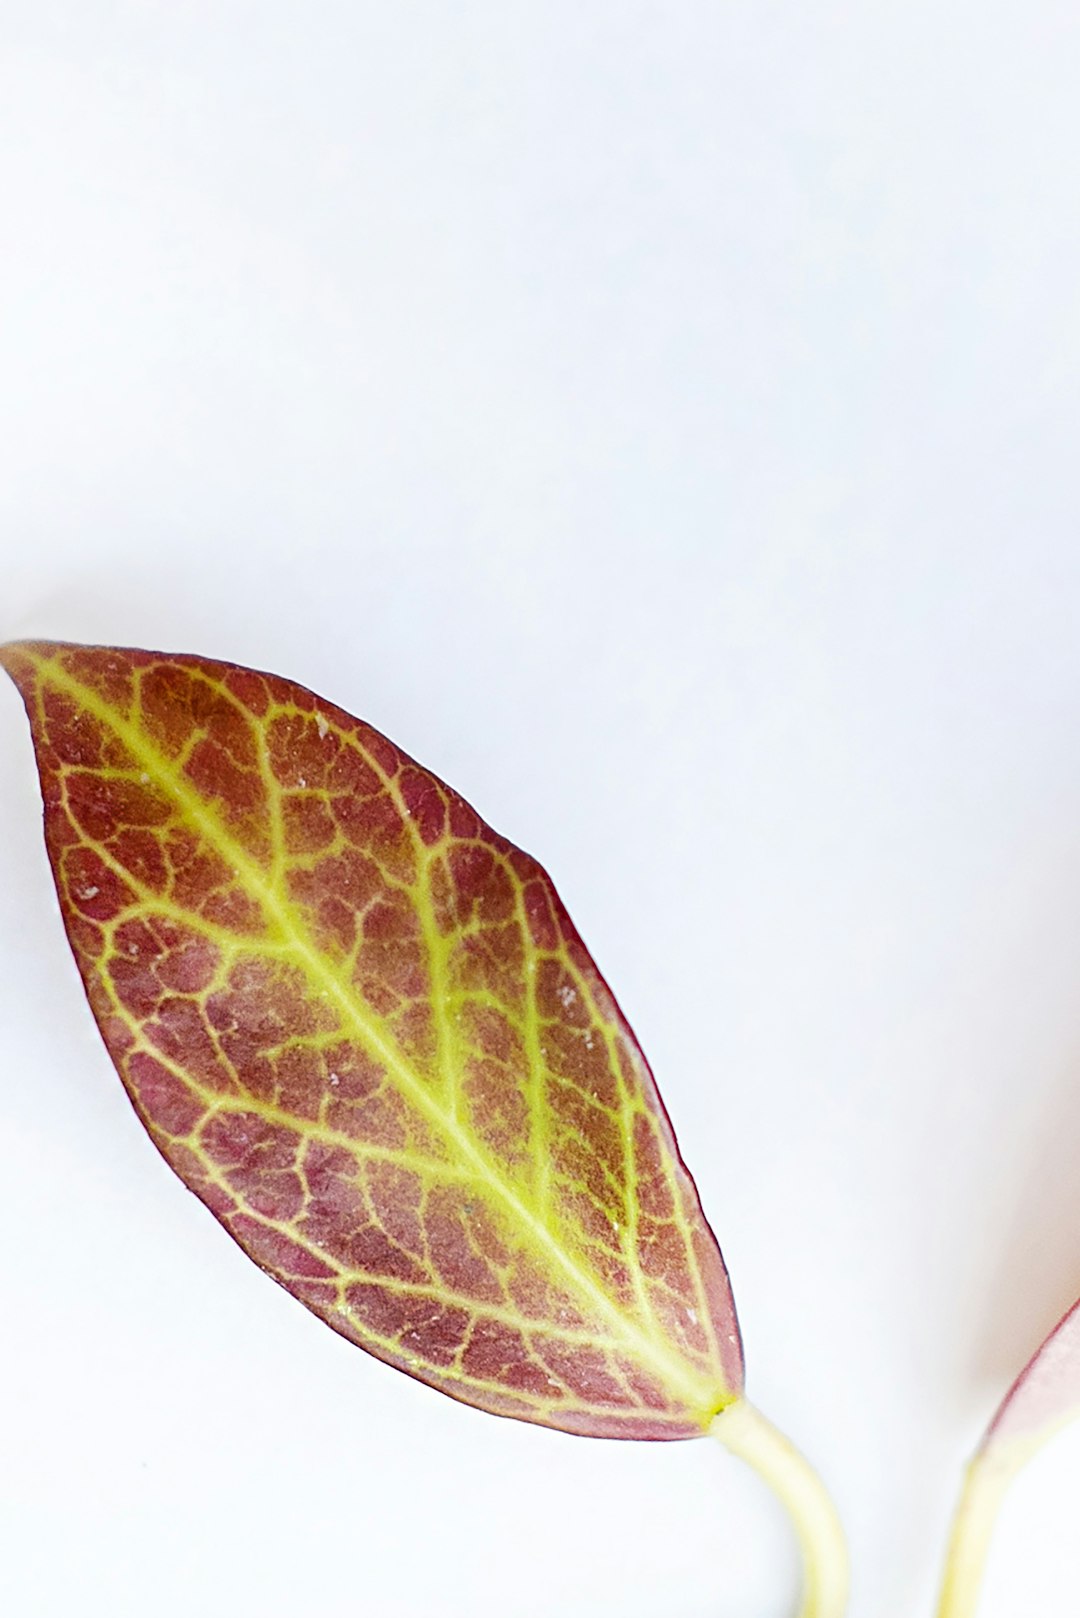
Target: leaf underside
361, 1027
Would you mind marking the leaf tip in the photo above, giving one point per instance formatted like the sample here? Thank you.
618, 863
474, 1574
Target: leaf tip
14, 659
21, 659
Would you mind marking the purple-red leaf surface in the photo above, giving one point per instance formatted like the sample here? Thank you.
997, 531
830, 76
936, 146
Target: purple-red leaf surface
361, 1027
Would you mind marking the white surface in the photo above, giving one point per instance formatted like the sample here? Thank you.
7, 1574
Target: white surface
661, 420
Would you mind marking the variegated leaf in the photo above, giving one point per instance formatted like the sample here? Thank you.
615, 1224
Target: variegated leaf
361, 1027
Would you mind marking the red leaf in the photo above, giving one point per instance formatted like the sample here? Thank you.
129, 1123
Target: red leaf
362, 1028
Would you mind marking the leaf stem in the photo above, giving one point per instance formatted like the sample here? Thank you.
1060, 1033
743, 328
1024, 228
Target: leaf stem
985, 1482
793, 1480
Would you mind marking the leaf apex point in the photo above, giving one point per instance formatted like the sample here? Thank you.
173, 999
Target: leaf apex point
19, 659
9, 651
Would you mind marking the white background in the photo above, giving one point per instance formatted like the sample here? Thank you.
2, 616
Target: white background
662, 420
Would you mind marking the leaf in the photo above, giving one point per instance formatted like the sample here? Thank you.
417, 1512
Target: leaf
361, 1027
1044, 1397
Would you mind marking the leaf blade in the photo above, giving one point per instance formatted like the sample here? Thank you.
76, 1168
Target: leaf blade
1045, 1395
361, 1027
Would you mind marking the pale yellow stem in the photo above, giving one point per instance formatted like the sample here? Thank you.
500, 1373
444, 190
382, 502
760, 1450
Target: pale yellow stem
985, 1482
793, 1480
